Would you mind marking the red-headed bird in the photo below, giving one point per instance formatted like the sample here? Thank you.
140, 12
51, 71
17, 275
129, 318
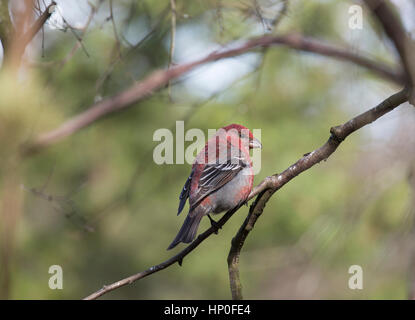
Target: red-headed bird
221, 178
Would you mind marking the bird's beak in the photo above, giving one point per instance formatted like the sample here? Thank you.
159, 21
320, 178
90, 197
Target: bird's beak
254, 143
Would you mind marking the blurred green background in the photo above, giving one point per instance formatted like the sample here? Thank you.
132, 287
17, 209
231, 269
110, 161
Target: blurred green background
97, 204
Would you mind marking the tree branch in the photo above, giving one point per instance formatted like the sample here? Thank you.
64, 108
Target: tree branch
264, 191
269, 186
34, 29
21, 39
160, 78
172, 41
402, 41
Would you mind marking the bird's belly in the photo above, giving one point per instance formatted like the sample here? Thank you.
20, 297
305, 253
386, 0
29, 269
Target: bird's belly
230, 195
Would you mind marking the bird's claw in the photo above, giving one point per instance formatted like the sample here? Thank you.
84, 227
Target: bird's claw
214, 224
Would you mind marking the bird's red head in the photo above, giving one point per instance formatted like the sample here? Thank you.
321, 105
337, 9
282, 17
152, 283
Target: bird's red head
244, 134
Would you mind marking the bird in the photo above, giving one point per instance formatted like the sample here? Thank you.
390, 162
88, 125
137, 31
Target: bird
220, 180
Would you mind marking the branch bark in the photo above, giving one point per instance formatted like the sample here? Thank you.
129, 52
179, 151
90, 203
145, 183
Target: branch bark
160, 78
400, 38
38, 24
264, 191
18, 41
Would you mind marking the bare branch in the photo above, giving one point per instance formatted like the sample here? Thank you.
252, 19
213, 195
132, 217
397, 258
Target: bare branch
63, 205
264, 191
172, 40
79, 39
281, 14
22, 39
160, 78
402, 41
101, 81
114, 28
34, 29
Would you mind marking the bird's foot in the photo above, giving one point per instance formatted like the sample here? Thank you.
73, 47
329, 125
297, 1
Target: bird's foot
214, 224
180, 261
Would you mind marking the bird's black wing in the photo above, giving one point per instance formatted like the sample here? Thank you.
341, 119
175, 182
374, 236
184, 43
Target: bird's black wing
214, 177
185, 193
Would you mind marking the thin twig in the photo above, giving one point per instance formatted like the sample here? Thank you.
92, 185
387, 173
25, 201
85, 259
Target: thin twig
281, 14
101, 81
172, 41
400, 38
219, 18
274, 24
114, 27
63, 205
79, 38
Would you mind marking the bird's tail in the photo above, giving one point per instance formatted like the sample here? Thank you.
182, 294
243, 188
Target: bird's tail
188, 230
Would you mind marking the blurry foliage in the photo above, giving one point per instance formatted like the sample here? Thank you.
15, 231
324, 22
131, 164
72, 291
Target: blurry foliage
325, 220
